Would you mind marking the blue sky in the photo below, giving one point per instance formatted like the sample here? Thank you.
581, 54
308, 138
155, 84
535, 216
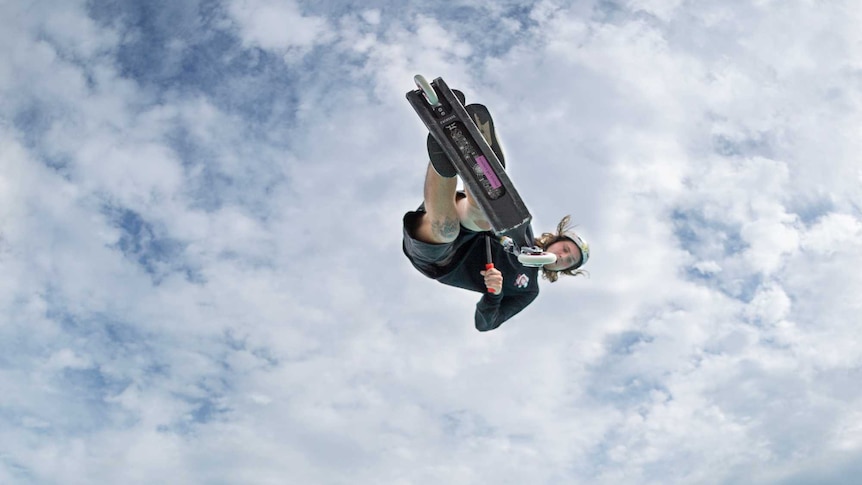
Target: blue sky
200, 211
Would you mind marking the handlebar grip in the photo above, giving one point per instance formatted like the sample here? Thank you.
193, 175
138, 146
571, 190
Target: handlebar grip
487, 267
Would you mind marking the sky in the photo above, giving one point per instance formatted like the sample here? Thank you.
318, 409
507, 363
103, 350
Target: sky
201, 274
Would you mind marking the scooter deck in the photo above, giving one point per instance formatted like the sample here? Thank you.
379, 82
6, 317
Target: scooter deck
473, 159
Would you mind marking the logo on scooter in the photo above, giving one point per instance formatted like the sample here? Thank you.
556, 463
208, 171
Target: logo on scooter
522, 281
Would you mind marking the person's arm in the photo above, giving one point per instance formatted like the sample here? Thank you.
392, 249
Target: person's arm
494, 309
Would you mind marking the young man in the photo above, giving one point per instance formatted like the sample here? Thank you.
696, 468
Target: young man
445, 240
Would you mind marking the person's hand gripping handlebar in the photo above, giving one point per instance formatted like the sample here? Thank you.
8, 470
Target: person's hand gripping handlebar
493, 277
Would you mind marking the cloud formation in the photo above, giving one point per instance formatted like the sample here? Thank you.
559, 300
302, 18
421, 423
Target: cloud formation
200, 208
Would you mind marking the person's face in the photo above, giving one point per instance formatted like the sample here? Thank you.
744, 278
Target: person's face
567, 253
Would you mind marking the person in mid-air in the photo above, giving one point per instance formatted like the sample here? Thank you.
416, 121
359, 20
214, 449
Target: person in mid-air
445, 239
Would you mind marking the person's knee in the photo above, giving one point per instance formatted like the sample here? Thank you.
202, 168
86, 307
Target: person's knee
472, 216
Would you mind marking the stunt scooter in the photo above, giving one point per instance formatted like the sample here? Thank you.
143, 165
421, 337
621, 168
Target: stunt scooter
478, 166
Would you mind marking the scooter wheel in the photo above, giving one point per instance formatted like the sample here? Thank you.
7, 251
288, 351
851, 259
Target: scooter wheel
537, 260
427, 90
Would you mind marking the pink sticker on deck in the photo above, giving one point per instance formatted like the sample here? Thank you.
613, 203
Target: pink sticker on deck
489, 174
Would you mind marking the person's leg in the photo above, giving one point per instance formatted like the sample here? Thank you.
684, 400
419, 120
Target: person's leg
471, 215
440, 223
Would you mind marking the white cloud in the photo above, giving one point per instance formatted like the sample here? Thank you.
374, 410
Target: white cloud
770, 305
278, 25
833, 233
202, 284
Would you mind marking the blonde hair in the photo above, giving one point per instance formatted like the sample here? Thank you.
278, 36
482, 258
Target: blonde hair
546, 239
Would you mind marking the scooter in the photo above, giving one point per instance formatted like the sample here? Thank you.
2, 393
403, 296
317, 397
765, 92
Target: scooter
478, 166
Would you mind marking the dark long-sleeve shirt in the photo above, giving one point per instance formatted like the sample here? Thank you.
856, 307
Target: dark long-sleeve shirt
520, 285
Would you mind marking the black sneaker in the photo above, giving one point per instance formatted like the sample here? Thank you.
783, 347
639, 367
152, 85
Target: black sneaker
482, 117
439, 160
441, 163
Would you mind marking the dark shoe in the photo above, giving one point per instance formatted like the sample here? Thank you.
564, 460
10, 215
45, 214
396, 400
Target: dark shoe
441, 163
482, 117
460, 96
